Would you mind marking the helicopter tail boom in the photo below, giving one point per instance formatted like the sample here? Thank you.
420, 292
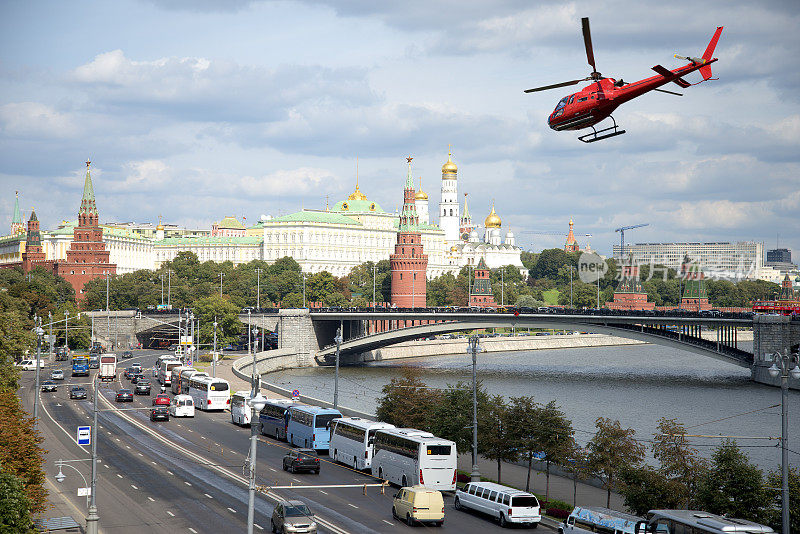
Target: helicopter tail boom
705, 71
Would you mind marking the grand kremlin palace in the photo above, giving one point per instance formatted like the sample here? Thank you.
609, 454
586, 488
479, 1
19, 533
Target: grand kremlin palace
336, 239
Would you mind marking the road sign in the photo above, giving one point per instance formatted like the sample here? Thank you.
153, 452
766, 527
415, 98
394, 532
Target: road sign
84, 492
540, 455
84, 435
295, 393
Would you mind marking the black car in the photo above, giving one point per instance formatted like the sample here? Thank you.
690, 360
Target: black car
142, 387
127, 354
159, 413
301, 460
48, 385
136, 377
124, 395
77, 392
127, 372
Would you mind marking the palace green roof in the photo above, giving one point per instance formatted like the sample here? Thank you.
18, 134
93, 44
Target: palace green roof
309, 216
230, 222
358, 206
420, 226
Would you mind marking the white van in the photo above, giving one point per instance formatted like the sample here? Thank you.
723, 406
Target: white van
182, 406
30, 365
507, 505
597, 519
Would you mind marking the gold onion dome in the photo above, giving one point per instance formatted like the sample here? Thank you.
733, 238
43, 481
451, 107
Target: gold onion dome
449, 167
357, 194
160, 226
421, 195
492, 221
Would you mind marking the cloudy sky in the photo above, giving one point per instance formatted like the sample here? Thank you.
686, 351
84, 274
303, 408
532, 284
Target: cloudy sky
197, 109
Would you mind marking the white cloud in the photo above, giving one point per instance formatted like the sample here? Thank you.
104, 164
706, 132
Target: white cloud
33, 119
293, 182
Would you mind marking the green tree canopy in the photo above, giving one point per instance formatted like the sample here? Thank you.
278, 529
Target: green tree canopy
681, 463
226, 314
610, 450
15, 505
406, 401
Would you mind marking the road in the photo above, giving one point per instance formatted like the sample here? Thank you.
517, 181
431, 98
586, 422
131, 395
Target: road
189, 475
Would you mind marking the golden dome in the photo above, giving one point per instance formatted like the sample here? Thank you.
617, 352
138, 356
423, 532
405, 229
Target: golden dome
454, 249
492, 221
160, 226
449, 167
421, 195
357, 194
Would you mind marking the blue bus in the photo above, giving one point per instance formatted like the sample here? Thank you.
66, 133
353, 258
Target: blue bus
80, 366
309, 426
274, 417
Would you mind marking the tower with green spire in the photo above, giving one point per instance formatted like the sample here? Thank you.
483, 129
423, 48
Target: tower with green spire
17, 226
480, 294
409, 263
629, 294
695, 294
33, 245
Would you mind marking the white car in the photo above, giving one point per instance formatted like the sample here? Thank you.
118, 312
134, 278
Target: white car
57, 374
30, 365
182, 406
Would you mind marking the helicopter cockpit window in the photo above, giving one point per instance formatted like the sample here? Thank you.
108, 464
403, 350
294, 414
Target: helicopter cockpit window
560, 106
571, 99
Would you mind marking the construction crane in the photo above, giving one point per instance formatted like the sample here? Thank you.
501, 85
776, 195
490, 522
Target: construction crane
622, 236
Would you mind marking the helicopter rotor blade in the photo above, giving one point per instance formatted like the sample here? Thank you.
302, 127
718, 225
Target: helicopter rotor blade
587, 40
668, 92
555, 85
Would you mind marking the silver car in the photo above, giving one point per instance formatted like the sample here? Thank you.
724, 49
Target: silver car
291, 517
57, 374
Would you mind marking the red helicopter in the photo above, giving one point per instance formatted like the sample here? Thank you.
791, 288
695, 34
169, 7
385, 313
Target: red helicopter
598, 100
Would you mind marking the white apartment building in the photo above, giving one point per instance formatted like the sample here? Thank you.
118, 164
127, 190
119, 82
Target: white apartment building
734, 261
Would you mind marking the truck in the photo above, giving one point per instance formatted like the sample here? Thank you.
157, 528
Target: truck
62, 354
108, 367
80, 366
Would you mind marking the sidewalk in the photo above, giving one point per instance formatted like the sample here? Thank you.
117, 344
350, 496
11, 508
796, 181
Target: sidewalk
561, 488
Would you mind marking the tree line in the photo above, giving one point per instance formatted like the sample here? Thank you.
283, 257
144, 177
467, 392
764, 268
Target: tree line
522, 429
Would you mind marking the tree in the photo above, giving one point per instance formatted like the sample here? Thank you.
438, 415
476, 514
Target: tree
680, 463
773, 513
17, 339
292, 300
523, 430
555, 436
550, 261
451, 417
15, 506
319, 286
733, 486
20, 451
406, 401
496, 432
645, 488
610, 450
527, 301
583, 295
215, 308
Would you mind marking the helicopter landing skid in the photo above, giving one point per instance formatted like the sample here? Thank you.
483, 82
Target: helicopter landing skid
599, 135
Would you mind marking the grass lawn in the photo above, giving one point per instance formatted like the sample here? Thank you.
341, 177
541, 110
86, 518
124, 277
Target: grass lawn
551, 296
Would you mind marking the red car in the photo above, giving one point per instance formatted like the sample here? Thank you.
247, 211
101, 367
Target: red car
162, 399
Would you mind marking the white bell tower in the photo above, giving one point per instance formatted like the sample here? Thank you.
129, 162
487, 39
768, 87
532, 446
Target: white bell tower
449, 218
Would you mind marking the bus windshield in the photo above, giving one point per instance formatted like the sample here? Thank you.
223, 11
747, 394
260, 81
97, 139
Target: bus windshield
438, 450
321, 421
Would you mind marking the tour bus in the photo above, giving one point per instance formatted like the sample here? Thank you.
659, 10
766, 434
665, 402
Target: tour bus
165, 371
241, 410
351, 441
185, 375
209, 393
274, 417
309, 426
410, 457
175, 379
598, 519
80, 366
695, 521
108, 367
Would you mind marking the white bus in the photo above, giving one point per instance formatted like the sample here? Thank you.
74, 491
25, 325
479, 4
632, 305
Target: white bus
185, 375
108, 367
165, 371
699, 522
352, 439
209, 393
241, 411
410, 457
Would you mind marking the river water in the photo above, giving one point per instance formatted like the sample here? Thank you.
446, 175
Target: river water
636, 384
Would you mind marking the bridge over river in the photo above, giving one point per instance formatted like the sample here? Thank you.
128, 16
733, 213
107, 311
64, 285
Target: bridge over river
307, 336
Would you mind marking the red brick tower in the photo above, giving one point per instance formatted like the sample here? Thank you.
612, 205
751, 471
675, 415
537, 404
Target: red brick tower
480, 294
572, 244
629, 294
87, 257
409, 264
33, 254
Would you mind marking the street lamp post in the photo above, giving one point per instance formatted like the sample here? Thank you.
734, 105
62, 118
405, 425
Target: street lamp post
220, 283
257, 401
258, 290
214, 354
50, 324
474, 348
169, 289
162, 289
304, 290
570, 286
249, 341
374, 274
66, 331
781, 366
39, 333
338, 340
92, 520
108, 314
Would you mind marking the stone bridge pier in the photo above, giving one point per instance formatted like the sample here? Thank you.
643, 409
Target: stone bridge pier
773, 333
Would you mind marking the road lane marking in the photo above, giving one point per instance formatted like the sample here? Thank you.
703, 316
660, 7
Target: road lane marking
120, 476
187, 483
387, 522
170, 513
106, 466
259, 527
232, 510
353, 505
192, 530
140, 454
190, 430
202, 437
296, 479
134, 487
152, 499
170, 472
273, 470
153, 463
207, 495
325, 492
